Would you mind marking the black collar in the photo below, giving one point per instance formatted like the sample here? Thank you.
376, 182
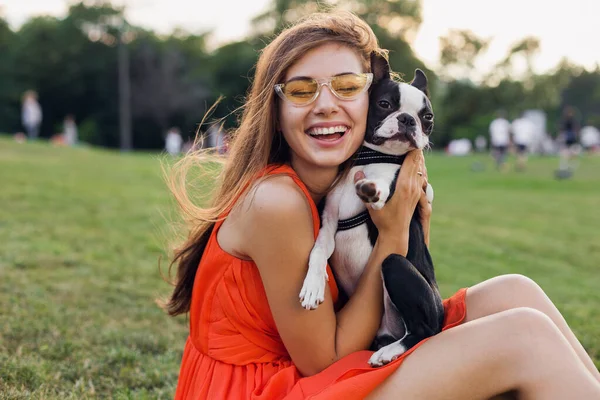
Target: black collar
366, 156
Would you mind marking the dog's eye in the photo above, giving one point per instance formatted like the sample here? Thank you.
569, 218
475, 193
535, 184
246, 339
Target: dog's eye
384, 104
428, 116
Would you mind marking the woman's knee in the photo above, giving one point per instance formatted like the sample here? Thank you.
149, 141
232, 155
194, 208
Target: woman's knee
525, 291
503, 293
528, 320
520, 283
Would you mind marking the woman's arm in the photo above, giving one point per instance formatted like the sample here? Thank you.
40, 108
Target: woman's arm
279, 234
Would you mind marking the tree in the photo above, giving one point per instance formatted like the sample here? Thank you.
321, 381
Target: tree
458, 52
164, 91
10, 93
525, 48
231, 68
583, 93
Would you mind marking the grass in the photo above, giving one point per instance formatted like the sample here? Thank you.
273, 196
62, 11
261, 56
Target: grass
82, 230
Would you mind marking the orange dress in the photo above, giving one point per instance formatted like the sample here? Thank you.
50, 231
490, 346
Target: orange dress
234, 350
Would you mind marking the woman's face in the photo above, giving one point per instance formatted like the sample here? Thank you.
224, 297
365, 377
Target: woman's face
301, 124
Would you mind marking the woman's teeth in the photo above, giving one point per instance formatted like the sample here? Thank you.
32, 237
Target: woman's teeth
327, 131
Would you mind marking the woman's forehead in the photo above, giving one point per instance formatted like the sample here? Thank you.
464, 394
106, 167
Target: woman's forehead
325, 61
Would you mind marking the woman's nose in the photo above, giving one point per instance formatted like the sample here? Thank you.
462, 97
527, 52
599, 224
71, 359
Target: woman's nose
326, 103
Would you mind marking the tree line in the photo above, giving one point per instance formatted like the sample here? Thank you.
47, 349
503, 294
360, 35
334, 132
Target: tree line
72, 63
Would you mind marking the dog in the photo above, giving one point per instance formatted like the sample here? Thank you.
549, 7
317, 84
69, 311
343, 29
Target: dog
400, 119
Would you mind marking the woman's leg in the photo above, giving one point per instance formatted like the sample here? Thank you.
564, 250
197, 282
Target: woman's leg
513, 291
519, 349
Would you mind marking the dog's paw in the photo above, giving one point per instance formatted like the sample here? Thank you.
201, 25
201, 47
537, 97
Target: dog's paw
387, 354
368, 192
313, 289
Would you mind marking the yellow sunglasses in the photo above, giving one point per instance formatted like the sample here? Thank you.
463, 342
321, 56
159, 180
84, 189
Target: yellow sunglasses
303, 91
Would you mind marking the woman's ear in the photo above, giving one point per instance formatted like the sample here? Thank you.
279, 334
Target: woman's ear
380, 67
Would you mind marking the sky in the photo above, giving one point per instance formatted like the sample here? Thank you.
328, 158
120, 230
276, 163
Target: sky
566, 29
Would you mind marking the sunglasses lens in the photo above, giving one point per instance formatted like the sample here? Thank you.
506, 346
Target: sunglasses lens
349, 85
300, 91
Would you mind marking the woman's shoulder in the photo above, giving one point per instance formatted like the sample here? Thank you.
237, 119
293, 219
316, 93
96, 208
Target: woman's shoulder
276, 196
272, 208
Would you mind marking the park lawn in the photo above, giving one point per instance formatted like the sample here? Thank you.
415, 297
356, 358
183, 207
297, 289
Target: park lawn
82, 232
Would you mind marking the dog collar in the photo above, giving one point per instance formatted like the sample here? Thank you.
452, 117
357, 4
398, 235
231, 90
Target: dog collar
353, 222
366, 156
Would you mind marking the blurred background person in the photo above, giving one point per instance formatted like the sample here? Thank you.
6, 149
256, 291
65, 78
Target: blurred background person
173, 141
31, 114
567, 138
590, 138
223, 143
480, 143
500, 138
187, 146
70, 130
459, 147
523, 132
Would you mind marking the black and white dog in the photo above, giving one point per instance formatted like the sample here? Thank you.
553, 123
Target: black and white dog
400, 119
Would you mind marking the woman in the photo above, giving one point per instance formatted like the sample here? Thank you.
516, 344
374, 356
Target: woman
242, 267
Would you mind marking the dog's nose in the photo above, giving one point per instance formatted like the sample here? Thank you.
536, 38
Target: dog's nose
406, 119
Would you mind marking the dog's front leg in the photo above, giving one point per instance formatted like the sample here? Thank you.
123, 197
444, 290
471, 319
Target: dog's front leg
313, 289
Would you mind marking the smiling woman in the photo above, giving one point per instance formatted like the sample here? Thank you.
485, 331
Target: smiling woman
243, 265
314, 140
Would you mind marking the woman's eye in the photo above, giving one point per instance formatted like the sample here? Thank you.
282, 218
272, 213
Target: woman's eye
301, 93
348, 89
428, 116
384, 104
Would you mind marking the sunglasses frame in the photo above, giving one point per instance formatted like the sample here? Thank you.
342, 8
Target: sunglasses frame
325, 82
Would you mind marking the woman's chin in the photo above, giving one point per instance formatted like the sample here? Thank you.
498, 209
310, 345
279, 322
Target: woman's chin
319, 156
333, 156
331, 159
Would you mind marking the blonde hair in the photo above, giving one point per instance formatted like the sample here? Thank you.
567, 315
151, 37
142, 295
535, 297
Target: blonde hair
256, 143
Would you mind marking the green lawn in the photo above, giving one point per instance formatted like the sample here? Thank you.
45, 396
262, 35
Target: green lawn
82, 231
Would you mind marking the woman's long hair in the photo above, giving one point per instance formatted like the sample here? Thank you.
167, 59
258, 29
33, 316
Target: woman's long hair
256, 143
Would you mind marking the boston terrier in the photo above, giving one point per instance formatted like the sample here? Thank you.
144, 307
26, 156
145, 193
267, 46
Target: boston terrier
400, 119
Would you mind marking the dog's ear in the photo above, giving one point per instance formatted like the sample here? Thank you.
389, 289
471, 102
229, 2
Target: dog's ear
380, 67
420, 81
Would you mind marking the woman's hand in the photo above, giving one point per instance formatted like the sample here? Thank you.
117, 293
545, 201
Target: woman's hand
393, 220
